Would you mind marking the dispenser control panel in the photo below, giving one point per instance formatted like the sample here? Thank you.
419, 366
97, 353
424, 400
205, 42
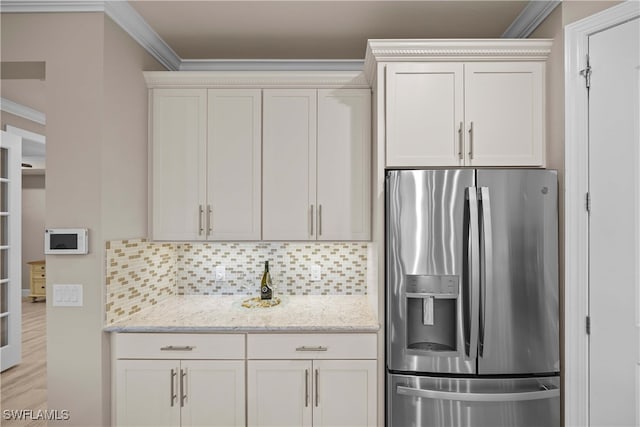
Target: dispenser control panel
434, 286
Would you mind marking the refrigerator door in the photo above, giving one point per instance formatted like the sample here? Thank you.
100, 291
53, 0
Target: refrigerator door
431, 401
429, 325
519, 332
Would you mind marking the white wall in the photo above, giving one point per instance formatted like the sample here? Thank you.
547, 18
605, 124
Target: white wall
33, 218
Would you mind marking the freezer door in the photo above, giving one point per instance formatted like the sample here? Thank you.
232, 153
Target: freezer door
429, 401
429, 328
519, 331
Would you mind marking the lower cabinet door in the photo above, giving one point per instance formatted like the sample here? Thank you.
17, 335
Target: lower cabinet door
212, 393
146, 393
344, 393
279, 392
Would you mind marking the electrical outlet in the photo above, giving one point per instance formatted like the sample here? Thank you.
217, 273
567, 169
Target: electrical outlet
221, 273
316, 273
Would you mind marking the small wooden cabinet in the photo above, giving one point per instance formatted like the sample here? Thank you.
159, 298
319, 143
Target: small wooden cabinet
38, 288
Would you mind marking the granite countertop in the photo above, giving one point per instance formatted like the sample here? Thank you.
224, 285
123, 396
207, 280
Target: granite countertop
205, 313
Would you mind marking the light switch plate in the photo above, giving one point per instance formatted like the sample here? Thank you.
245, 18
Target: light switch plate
67, 295
316, 273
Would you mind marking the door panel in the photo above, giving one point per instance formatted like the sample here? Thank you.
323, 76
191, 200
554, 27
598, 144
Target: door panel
289, 164
279, 393
179, 132
344, 393
144, 393
344, 164
520, 317
10, 252
424, 252
424, 114
234, 164
427, 401
214, 391
614, 229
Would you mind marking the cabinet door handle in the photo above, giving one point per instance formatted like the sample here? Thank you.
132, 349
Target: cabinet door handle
209, 219
460, 142
319, 220
316, 388
200, 212
173, 393
311, 221
471, 140
177, 348
318, 348
183, 392
306, 388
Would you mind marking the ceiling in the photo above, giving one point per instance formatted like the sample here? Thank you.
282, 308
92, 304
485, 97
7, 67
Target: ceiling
325, 29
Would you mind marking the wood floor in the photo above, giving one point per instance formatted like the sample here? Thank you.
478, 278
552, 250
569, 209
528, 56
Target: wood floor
25, 386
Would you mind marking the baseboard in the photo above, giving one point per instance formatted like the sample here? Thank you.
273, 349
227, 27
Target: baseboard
26, 293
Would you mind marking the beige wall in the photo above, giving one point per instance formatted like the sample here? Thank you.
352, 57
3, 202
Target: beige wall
33, 219
96, 108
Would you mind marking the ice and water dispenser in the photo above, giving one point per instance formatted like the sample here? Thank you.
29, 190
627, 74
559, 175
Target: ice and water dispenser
432, 312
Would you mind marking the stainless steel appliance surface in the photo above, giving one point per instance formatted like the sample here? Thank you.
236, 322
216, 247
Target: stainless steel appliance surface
472, 296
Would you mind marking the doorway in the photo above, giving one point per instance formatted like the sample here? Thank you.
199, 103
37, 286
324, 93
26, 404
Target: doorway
602, 282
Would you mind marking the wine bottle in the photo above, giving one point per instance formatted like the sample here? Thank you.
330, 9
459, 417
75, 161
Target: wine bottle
266, 287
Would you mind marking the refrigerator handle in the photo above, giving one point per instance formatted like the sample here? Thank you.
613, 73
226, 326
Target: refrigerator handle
486, 255
544, 393
472, 268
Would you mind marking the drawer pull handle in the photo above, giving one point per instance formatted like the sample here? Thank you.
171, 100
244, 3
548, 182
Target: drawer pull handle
318, 348
177, 348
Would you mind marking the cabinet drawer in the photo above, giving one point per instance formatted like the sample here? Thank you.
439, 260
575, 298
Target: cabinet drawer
311, 346
39, 285
178, 346
38, 275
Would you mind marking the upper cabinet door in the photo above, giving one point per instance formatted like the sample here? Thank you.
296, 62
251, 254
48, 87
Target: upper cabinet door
289, 164
179, 163
344, 164
424, 114
234, 164
504, 112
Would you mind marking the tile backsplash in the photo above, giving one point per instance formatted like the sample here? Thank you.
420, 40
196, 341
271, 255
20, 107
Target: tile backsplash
140, 273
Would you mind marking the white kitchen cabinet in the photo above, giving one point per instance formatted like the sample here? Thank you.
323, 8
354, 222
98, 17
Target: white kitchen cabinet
504, 102
425, 111
206, 164
465, 114
316, 160
178, 163
289, 164
311, 388
158, 382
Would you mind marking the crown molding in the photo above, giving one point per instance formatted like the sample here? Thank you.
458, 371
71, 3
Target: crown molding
271, 65
120, 12
256, 79
23, 111
528, 20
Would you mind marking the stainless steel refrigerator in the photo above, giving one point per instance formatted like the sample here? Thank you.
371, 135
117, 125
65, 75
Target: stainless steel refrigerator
472, 330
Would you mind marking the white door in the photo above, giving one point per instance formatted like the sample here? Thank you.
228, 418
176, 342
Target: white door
10, 251
614, 225
344, 393
213, 393
504, 114
424, 114
279, 393
289, 164
234, 164
344, 164
147, 393
179, 162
